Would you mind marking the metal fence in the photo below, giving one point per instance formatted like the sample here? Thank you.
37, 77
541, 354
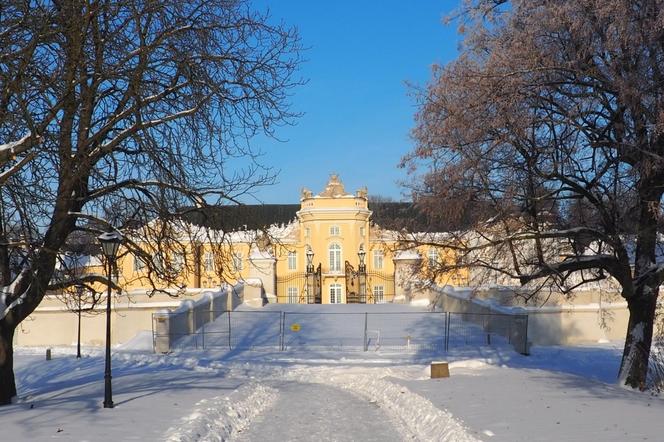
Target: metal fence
386, 332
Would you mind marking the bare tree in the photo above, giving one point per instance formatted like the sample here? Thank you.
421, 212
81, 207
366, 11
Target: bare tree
141, 106
557, 105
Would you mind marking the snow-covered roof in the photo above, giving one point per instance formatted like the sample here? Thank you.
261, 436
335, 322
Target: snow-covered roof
68, 261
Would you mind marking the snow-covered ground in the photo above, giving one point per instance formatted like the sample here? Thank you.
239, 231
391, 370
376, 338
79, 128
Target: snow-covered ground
493, 393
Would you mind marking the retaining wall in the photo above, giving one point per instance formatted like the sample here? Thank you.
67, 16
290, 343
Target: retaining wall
189, 316
584, 319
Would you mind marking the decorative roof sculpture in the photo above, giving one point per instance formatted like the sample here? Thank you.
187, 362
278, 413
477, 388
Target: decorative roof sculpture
334, 187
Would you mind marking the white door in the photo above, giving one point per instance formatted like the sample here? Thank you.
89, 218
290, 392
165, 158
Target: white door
335, 294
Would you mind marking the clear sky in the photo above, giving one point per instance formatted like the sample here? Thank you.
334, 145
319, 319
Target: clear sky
358, 110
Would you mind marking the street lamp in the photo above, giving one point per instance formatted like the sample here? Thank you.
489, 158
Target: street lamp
362, 275
361, 254
310, 260
110, 243
79, 293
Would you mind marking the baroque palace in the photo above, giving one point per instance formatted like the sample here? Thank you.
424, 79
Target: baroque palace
329, 249
332, 248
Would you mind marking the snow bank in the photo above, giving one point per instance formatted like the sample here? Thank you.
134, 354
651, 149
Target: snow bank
220, 418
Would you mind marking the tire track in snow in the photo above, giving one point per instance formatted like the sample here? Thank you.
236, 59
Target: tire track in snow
221, 417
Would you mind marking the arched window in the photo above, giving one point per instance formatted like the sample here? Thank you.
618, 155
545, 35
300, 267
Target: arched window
335, 257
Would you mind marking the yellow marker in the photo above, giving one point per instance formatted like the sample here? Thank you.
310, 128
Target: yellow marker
295, 327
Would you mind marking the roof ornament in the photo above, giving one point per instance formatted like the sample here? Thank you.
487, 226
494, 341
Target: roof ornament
334, 187
306, 193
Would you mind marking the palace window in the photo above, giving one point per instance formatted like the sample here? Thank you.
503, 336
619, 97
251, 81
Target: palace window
209, 262
335, 231
292, 295
379, 294
335, 294
158, 261
335, 257
237, 261
178, 262
378, 259
362, 232
139, 264
292, 260
433, 257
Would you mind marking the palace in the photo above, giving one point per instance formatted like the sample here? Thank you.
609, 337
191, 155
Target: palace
330, 249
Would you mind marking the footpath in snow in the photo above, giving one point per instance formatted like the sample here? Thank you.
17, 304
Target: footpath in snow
307, 412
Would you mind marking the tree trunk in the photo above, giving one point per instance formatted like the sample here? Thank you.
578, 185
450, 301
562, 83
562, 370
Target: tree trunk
634, 364
7, 381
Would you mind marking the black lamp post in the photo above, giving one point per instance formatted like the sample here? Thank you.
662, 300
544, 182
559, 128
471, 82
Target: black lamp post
79, 293
361, 254
362, 275
110, 243
310, 260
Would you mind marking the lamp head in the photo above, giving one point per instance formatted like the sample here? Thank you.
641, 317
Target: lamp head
110, 243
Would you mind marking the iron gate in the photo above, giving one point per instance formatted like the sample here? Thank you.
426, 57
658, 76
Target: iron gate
293, 288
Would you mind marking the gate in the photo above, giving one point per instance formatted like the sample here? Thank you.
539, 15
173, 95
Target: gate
355, 290
318, 285
293, 288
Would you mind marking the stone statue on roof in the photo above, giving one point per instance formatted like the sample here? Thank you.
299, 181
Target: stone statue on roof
334, 187
306, 193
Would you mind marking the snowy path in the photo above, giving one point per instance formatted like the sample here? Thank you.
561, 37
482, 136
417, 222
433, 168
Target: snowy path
318, 412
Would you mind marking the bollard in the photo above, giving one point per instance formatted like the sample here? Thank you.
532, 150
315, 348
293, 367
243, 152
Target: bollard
48, 354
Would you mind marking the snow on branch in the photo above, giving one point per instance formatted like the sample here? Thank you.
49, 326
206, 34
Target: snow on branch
10, 150
10, 294
608, 263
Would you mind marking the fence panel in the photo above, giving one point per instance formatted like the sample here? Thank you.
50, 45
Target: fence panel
215, 334
254, 330
324, 331
477, 329
406, 332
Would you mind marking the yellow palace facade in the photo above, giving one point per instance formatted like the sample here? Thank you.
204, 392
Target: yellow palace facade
329, 249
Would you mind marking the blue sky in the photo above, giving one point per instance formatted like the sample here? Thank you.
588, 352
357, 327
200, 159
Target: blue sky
357, 107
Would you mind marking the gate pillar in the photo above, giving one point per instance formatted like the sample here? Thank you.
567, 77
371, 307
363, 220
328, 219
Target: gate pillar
263, 267
406, 264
